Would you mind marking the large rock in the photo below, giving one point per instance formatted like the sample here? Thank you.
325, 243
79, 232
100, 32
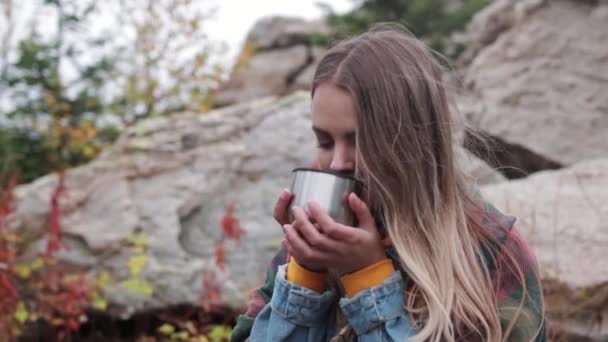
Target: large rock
280, 32
304, 79
266, 73
277, 59
564, 216
542, 83
478, 172
171, 179
490, 23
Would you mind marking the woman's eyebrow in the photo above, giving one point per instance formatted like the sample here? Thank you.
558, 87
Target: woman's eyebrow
349, 135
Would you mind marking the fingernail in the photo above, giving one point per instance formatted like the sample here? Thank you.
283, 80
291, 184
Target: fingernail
357, 199
285, 194
310, 207
284, 228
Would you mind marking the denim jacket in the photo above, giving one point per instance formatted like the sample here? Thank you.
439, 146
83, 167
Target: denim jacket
298, 314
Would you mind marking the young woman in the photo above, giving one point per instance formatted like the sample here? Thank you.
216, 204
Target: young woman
428, 260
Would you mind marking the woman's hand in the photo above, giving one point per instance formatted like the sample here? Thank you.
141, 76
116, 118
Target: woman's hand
280, 213
328, 244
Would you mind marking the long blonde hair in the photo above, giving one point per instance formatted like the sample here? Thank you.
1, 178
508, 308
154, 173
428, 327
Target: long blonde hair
406, 159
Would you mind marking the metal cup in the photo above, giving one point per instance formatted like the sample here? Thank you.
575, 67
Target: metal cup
327, 188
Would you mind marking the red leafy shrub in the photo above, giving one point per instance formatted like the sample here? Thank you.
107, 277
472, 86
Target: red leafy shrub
39, 288
231, 230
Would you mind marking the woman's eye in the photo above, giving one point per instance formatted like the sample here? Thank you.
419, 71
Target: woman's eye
325, 144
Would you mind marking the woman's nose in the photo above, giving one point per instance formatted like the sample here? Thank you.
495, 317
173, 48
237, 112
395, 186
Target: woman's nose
341, 161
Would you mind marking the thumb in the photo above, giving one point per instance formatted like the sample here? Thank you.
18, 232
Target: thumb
362, 212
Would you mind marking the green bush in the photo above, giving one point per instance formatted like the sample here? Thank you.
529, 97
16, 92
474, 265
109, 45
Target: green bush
432, 20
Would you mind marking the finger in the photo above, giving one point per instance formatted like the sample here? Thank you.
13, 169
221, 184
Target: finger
287, 245
320, 216
312, 260
310, 232
329, 227
362, 212
298, 218
300, 249
280, 209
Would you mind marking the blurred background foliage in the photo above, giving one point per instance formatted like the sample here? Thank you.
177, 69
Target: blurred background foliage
432, 20
67, 88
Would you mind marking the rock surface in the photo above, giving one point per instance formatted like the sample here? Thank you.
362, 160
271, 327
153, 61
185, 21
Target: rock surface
265, 73
564, 216
282, 60
490, 23
171, 179
542, 83
280, 32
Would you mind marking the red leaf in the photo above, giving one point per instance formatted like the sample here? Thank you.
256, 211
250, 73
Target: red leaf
63, 300
7, 289
73, 324
231, 228
7, 196
220, 255
55, 213
211, 291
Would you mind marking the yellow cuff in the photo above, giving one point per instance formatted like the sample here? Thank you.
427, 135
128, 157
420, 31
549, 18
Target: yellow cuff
365, 278
303, 277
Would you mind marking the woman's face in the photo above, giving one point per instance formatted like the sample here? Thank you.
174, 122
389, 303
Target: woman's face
334, 122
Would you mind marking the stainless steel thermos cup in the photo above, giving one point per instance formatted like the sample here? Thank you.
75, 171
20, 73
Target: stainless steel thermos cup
329, 189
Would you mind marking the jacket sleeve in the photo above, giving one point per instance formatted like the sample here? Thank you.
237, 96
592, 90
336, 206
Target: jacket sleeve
259, 298
524, 298
294, 313
378, 313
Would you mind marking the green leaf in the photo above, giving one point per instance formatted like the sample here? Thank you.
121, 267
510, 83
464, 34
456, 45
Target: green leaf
98, 302
166, 329
21, 313
136, 264
23, 270
180, 336
138, 286
220, 332
37, 264
138, 239
103, 279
